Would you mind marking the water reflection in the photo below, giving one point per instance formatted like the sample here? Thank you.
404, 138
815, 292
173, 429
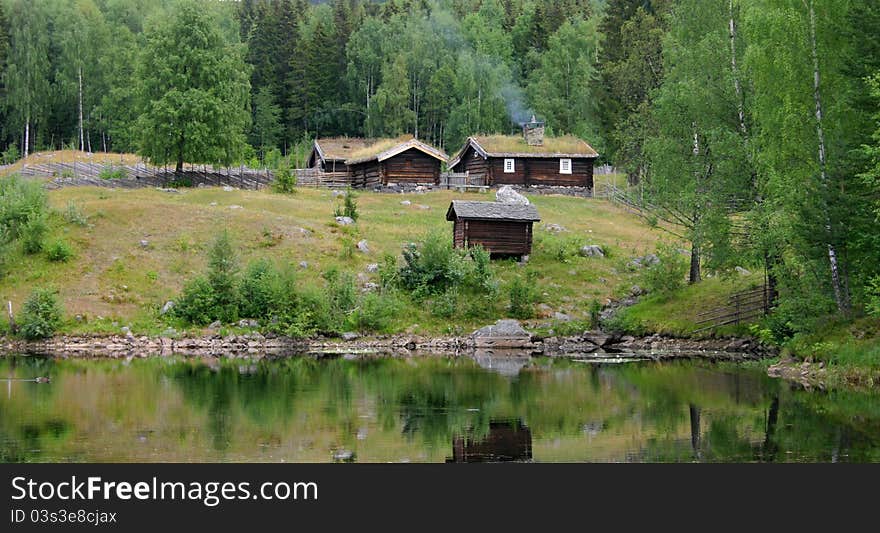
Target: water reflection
507, 440
422, 410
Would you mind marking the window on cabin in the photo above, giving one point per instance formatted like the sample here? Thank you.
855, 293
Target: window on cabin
509, 166
565, 166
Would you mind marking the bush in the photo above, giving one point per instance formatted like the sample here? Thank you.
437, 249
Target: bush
197, 303
561, 248
375, 312
110, 172
340, 294
41, 315
256, 290
222, 272
445, 305
432, 267
10, 155
873, 293
33, 233
20, 202
523, 297
285, 179
59, 252
667, 275
349, 207
595, 311
74, 215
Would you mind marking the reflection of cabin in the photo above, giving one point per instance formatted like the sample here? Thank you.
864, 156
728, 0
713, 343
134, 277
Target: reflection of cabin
506, 441
403, 160
502, 229
329, 155
532, 159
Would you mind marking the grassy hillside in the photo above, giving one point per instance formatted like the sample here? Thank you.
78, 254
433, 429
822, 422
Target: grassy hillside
117, 278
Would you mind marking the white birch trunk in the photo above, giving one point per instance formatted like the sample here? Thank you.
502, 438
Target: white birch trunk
840, 297
740, 107
82, 144
27, 133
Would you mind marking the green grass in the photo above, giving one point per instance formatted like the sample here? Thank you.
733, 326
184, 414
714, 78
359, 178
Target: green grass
850, 348
114, 277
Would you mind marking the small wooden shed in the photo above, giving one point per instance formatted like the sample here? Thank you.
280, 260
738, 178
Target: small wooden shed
503, 229
403, 160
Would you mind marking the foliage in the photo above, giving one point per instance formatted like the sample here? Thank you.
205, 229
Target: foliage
59, 252
873, 304
222, 272
74, 215
41, 315
111, 172
349, 206
33, 234
285, 179
196, 303
523, 297
20, 202
667, 275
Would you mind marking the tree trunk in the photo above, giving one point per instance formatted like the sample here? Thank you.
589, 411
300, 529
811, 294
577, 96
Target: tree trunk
740, 107
694, 272
82, 144
840, 295
694, 412
27, 134
180, 146
769, 446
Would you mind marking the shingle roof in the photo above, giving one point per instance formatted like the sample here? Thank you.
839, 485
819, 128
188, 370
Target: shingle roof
491, 211
515, 146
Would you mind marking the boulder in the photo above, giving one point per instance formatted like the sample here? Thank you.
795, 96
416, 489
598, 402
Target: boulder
215, 325
169, 305
505, 333
648, 260
405, 202
742, 272
561, 317
350, 336
227, 188
145, 243
592, 250
554, 228
507, 195
362, 246
303, 264
635, 290
234, 206
344, 221
598, 338
373, 268
370, 287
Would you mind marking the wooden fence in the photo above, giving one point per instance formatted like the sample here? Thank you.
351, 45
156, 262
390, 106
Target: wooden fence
315, 177
741, 307
462, 181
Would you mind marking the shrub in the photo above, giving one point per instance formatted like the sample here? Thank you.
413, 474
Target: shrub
285, 179
74, 215
222, 272
340, 294
20, 202
375, 312
873, 293
667, 275
59, 252
256, 290
10, 155
523, 297
432, 267
561, 248
445, 305
33, 233
349, 207
595, 311
41, 315
197, 303
110, 172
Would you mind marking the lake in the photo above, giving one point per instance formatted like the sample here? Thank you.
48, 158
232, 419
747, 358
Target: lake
430, 409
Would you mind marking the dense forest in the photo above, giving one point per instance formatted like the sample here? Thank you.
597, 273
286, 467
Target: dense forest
751, 126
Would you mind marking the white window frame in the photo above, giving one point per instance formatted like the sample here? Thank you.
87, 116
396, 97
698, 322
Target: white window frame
509, 166
562, 165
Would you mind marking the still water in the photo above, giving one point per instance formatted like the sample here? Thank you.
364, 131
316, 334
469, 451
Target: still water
421, 410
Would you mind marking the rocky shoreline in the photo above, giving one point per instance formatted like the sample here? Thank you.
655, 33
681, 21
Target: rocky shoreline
506, 337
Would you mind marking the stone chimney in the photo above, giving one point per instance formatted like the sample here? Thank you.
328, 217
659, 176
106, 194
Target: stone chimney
533, 132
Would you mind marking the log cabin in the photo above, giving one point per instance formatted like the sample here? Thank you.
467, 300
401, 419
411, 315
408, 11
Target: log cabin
329, 155
506, 441
504, 230
532, 159
402, 160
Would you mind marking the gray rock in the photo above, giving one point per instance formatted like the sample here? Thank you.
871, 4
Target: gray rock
635, 290
215, 325
350, 336
235, 206
598, 338
505, 327
362, 246
420, 206
245, 323
742, 271
170, 332
507, 195
343, 455
336, 193
592, 250
125, 329
344, 221
554, 228
648, 260
227, 188
370, 287
172, 191
145, 243
373, 268
213, 204
80, 318
561, 317
405, 202
169, 305
303, 264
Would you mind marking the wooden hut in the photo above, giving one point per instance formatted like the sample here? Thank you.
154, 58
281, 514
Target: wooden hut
329, 155
402, 160
503, 229
532, 159
506, 441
